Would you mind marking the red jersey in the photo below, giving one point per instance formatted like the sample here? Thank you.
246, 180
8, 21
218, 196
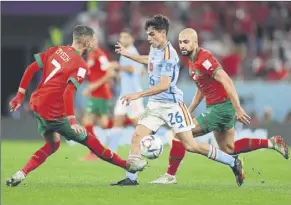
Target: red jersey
98, 62
202, 69
61, 64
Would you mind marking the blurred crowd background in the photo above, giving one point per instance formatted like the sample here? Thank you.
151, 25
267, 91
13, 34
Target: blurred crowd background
252, 40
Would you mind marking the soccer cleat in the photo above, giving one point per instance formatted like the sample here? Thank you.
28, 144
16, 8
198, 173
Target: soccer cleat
136, 165
16, 179
125, 182
238, 171
280, 146
165, 179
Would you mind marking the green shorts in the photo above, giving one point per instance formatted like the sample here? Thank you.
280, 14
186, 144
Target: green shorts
63, 127
98, 106
218, 117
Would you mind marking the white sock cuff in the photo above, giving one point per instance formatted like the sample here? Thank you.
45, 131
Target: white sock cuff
134, 156
210, 151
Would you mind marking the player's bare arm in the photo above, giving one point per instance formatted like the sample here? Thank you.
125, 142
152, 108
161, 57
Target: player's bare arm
25, 81
129, 69
163, 85
198, 97
119, 49
110, 73
222, 77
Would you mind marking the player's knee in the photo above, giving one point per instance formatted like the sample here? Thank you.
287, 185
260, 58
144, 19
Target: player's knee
190, 147
136, 137
227, 148
103, 124
56, 146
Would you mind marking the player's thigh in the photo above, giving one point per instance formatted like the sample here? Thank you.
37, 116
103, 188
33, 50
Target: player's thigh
225, 140
177, 117
103, 121
52, 137
42, 125
140, 132
63, 127
197, 131
186, 138
89, 118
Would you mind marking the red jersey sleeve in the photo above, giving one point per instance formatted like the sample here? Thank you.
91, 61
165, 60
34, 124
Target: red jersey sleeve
78, 75
42, 57
209, 64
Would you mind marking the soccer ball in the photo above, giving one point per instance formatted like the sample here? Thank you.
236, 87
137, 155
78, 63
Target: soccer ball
151, 147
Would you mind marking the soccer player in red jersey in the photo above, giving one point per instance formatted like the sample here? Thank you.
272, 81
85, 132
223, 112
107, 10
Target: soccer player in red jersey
53, 103
99, 91
223, 108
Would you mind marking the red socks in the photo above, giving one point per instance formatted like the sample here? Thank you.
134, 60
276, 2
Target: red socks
127, 122
177, 154
89, 128
40, 156
248, 144
106, 154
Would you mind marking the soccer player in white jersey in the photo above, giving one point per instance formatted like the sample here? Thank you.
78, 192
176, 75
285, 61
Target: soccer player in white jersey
165, 104
130, 74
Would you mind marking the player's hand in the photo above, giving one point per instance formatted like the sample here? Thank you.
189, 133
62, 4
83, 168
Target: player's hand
126, 99
76, 127
16, 102
79, 129
119, 49
242, 116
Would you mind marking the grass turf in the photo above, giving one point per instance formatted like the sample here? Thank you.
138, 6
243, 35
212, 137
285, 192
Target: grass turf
65, 180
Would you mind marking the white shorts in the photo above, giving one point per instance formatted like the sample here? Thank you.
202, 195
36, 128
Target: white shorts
133, 110
175, 115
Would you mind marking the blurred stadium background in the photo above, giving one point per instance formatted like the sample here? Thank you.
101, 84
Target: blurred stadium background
251, 39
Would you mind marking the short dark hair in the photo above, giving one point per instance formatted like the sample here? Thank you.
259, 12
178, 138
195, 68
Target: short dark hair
158, 22
82, 31
127, 30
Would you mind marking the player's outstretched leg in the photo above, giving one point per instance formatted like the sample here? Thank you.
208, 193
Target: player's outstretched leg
38, 158
107, 155
247, 145
211, 152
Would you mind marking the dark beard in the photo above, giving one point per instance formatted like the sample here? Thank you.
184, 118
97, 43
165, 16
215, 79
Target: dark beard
189, 53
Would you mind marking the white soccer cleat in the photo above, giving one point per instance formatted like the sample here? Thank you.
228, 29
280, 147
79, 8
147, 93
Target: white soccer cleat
16, 179
136, 165
280, 146
165, 179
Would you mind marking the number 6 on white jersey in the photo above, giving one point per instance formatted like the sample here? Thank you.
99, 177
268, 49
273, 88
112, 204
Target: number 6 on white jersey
57, 68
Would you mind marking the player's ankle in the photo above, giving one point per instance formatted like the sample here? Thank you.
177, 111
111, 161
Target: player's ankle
23, 172
271, 145
171, 174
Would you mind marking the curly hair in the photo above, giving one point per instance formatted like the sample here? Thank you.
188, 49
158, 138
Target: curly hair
158, 22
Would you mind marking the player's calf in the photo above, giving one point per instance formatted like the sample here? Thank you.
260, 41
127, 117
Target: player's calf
107, 155
34, 162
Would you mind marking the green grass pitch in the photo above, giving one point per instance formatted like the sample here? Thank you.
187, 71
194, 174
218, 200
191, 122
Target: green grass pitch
65, 180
